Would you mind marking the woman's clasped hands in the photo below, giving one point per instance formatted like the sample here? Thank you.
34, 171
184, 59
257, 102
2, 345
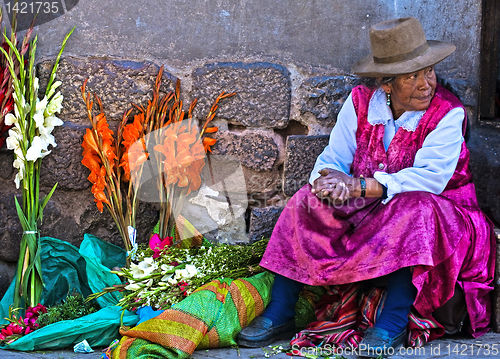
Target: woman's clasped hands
333, 184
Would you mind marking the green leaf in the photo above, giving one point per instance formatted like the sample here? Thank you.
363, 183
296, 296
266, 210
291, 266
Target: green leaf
45, 200
22, 217
56, 64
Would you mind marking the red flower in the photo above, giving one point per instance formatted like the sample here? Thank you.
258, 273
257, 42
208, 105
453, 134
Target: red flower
183, 286
158, 245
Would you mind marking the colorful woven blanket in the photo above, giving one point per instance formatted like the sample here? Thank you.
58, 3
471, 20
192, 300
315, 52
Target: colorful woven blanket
346, 311
210, 317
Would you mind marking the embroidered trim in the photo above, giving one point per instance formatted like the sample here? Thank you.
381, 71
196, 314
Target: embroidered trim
378, 111
410, 122
380, 114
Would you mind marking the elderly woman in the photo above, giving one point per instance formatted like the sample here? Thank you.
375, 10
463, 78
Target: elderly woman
390, 196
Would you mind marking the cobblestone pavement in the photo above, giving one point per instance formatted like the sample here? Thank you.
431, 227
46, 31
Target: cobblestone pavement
486, 347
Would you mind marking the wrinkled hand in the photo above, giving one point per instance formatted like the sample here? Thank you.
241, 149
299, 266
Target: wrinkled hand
333, 184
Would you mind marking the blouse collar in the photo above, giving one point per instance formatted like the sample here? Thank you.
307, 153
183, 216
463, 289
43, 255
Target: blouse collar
380, 113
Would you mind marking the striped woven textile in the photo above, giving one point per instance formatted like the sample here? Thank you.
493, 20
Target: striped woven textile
345, 312
210, 317
422, 330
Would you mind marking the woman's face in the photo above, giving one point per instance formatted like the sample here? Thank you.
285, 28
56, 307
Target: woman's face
412, 92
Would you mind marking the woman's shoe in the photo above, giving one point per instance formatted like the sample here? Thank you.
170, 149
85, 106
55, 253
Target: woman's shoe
377, 342
262, 332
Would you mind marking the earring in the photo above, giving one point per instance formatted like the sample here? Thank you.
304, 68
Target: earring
388, 99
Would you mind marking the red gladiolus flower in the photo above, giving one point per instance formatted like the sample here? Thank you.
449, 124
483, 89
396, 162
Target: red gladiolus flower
158, 245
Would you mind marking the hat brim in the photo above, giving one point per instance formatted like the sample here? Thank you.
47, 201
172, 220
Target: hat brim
438, 51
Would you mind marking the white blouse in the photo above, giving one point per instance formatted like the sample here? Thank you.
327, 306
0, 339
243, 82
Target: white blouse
434, 163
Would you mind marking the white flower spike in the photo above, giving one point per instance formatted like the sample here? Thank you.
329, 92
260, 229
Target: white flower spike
37, 150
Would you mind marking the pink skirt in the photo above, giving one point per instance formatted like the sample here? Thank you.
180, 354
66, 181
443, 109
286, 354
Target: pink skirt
317, 243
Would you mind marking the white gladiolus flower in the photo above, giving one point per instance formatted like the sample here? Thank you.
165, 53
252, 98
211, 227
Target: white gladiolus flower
55, 105
136, 271
191, 271
39, 110
48, 138
166, 277
53, 88
37, 150
10, 119
148, 265
14, 140
188, 272
52, 121
47, 128
166, 268
132, 286
22, 103
145, 268
19, 164
18, 179
180, 274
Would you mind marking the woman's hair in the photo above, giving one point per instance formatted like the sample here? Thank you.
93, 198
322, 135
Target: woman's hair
372, 82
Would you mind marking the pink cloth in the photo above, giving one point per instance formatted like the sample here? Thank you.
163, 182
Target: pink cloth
446, 238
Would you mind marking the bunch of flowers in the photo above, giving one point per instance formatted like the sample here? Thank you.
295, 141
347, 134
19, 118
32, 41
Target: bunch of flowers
19, 326
6, 90
177, 272
158, 132
33, 121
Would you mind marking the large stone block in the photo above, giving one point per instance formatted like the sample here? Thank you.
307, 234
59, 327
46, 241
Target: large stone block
10, 235
323, 96
462, 89
117, 82
63, 164
255, 150
6, 161
259, 184
484, 147
300, 156
263, 93
262, 221
7, 272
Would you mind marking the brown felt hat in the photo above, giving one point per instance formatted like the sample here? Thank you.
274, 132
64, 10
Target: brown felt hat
399, 46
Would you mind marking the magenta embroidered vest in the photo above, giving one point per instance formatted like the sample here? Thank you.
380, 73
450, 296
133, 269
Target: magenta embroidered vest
370, 155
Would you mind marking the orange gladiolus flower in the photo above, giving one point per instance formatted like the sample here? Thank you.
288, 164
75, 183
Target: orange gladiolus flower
184, 156
207, 143
132, 131
89, 143
109, 150
98, 189
92, 162
133, 158
134, 153
103, 127
211, 129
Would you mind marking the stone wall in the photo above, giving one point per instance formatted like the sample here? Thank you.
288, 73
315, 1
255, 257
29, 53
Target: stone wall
289, 63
